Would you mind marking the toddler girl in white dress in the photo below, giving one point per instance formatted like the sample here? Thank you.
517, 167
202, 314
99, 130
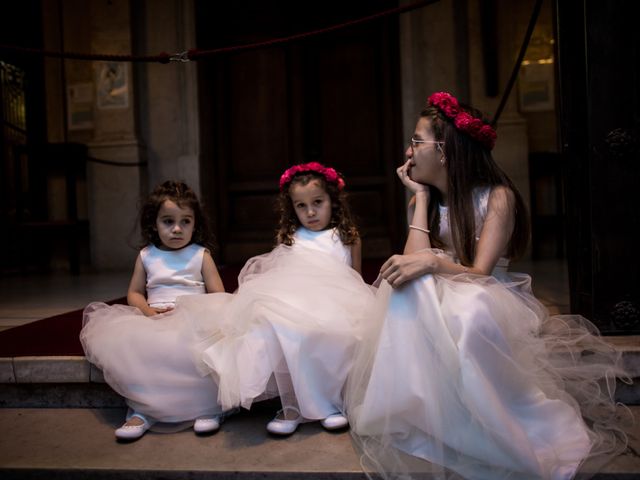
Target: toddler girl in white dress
143, 349
291, 328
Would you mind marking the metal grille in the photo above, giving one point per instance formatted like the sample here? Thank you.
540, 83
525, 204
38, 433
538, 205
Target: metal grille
12, 93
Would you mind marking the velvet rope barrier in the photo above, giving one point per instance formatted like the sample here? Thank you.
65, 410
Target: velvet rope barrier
195, 54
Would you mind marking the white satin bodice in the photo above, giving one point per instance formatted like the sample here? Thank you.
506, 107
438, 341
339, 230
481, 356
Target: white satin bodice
480, 206
327, 241
172, 273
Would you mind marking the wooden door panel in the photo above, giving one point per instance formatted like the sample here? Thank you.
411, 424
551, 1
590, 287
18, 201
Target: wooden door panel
256, 104
350, 132
330, 99
254, 137
598, 70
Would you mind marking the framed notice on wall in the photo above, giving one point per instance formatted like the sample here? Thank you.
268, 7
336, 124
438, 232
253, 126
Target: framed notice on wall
536, 87
80, 106
112, 85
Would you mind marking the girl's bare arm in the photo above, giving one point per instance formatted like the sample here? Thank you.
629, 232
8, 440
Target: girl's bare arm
212, 281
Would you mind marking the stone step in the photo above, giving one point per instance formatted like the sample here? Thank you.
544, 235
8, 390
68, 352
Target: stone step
70, 434
72, 382
44, 443
55, 382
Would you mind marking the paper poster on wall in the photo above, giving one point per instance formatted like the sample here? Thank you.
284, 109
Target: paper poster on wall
536, 87
112, 85
80, 106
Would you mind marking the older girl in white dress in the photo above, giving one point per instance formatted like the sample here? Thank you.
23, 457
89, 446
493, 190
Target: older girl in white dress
464, 374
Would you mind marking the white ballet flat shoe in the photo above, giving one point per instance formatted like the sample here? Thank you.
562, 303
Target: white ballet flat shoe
207, 424
335, 421
212, 423
281, 426
133, 432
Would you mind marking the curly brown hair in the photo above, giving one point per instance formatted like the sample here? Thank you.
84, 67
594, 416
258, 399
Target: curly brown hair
341, 218
184, 197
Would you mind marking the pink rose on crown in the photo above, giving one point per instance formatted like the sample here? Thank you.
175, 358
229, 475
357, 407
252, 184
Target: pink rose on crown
487, 135
328, 173
446, 102
462, 121
474, 127
312, 166
331, 175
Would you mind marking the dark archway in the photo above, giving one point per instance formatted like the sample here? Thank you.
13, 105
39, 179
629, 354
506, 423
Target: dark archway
332, 98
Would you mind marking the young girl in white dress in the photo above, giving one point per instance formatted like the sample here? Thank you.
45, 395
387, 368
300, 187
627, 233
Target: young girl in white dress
291, 328
143, 348
464, 374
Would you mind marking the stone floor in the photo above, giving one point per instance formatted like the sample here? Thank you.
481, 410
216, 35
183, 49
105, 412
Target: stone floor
83, 440
78, 443
26, 298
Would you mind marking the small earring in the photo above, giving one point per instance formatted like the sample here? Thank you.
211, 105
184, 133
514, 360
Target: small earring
442, 160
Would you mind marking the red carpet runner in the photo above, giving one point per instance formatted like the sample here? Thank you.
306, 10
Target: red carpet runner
58, 335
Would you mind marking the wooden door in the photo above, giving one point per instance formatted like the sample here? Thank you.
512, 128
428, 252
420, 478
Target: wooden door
331, 98
599, 56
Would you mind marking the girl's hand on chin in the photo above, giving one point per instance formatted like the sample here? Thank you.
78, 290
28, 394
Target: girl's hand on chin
403, 173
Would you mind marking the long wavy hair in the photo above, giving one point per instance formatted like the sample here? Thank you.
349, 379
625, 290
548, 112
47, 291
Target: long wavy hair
341, 218
469, 165
184, 197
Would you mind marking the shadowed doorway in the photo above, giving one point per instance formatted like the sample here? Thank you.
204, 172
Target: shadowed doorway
332, 98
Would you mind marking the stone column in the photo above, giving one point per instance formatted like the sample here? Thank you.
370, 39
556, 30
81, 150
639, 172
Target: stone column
512, 149
168, 94
429, 59
441, 49
113, 191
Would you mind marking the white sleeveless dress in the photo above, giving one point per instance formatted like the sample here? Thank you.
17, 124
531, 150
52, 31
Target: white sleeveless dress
291, 328
148, 360
467, 376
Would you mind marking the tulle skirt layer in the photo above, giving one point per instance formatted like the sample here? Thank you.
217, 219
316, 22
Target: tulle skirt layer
148, 361
468, 377
290, 331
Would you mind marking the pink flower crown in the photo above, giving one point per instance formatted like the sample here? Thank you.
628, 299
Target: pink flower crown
463, 121
328, 173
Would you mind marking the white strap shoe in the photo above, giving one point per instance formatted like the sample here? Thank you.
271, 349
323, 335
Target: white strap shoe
212, 423
133, 432
281, 425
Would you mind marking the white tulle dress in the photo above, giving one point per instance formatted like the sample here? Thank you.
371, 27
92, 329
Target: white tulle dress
291, 328
468, 376
148, 360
